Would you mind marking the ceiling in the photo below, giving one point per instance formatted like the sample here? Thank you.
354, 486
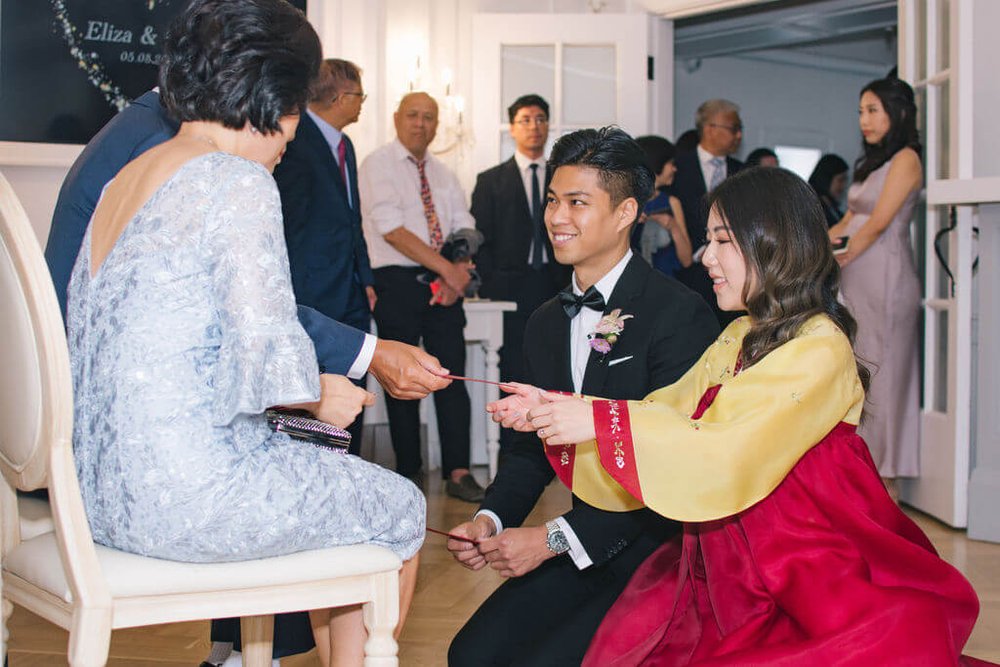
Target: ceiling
850, 35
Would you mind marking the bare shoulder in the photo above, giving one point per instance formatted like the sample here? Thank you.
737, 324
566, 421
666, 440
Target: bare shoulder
907, 162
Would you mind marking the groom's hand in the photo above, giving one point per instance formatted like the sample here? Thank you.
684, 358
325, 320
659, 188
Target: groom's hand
466, 553
517, 551
405, 371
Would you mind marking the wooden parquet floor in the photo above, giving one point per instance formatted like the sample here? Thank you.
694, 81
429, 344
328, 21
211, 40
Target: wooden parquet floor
448, 594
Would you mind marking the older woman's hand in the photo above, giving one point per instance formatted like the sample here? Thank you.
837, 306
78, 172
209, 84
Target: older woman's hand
562, 420
340, 400
512, 411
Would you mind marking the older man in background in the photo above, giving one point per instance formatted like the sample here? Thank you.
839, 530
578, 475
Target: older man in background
720, 131
318, 181
411, 202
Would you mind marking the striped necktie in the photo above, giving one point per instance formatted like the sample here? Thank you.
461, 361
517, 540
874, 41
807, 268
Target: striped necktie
434, 236
718, 164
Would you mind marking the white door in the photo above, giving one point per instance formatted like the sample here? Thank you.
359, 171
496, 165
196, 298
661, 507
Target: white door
930, 59
593, 69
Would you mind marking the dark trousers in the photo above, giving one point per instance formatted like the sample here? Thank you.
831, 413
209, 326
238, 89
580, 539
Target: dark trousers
403, 313
532, 290
292, 633
545, 618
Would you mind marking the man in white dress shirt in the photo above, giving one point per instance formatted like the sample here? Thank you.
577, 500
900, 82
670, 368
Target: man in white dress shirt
410, 204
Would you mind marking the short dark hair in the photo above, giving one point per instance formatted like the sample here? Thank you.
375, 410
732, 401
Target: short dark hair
334, 73
687, 142
758, 154
781, 230
620, 162
659, 151
527, 101
829, 165
233, 61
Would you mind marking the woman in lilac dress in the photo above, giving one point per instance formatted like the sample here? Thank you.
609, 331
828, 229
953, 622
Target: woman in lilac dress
879, 280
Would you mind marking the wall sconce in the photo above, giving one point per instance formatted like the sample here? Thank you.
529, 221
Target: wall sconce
452, 134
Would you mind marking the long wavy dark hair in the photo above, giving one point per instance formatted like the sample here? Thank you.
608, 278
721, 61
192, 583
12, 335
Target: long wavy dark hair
898, 102
778, 224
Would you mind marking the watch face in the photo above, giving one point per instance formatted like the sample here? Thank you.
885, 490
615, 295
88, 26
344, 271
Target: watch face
557, 542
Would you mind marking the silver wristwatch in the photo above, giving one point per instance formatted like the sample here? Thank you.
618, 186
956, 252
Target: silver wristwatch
556, 540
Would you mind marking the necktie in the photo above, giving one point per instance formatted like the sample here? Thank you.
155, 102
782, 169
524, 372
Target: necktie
718, 175
342, 163
572, 303
436, 239
538, 245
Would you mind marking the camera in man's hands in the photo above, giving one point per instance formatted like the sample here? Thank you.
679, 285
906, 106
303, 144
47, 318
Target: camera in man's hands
461, 244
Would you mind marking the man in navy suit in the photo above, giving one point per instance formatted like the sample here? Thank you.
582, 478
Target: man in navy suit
404, 371
516, 261
318, 181
720, 132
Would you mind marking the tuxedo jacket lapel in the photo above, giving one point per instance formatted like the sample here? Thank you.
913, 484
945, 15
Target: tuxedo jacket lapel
629, 286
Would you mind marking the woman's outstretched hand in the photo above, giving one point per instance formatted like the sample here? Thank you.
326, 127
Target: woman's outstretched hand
562, 420
340, 400
511, 411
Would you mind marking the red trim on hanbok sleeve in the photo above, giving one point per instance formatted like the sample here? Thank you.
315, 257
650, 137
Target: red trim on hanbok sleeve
614, 444
562, 458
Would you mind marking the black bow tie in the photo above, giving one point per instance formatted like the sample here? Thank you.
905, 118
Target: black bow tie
572, 303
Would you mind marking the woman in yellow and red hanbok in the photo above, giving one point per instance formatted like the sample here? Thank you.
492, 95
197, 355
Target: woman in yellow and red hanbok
792, 552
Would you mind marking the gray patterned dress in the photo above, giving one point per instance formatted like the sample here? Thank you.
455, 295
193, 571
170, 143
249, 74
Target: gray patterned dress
184, 336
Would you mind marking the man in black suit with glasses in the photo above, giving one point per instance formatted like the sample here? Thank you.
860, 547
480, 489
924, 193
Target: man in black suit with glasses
516, 261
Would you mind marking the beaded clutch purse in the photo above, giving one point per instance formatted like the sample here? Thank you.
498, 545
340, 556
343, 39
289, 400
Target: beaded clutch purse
299, 425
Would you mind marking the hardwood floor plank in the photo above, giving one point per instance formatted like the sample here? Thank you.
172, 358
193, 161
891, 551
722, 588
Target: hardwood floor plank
446, 596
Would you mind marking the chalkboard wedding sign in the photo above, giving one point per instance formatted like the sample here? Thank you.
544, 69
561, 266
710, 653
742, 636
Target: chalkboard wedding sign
67, 66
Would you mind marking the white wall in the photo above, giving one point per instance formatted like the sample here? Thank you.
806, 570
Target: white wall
985, 91
786, 104
383, 37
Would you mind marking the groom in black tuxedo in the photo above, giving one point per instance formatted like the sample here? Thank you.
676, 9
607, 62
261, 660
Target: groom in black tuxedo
565, 574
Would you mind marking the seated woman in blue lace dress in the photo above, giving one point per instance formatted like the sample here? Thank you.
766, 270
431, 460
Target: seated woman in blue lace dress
182, 331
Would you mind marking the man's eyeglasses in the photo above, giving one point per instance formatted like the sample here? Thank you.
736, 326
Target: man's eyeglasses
735, 129
537, 120
363, 96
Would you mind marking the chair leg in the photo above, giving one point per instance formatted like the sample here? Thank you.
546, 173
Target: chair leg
381, 615
257, 633
90, 637
8, 609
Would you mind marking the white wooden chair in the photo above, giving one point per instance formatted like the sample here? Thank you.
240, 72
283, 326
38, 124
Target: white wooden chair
89, 589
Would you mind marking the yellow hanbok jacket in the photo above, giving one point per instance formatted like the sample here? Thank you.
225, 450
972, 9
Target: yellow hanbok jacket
661, 453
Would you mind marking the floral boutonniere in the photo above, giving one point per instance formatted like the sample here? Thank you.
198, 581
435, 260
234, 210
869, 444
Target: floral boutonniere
607, 331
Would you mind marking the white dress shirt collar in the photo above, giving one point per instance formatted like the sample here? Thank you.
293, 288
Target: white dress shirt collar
401, 152
707, 168
586, 321
606, 285
524, 162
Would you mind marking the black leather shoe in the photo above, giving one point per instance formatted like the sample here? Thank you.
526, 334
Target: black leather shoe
466, 488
